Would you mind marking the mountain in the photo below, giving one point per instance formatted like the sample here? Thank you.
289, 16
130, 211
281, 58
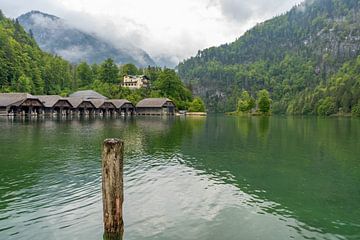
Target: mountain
24, 67
56, 36
307, 58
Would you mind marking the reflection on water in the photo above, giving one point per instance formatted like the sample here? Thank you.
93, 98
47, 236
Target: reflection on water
185, 178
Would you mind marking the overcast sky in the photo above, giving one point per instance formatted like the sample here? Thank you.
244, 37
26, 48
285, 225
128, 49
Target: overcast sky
164, 28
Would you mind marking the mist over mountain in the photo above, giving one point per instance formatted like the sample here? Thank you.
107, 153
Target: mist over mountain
56, 36
308, 59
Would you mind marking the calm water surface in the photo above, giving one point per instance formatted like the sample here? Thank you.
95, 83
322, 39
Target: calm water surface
196, 178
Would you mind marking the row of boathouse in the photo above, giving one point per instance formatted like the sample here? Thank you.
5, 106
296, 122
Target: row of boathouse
80, 103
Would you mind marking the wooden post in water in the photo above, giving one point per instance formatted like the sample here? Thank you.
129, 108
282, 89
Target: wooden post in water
112, 188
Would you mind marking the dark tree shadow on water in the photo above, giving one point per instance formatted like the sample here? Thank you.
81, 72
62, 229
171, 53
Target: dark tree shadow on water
264, 125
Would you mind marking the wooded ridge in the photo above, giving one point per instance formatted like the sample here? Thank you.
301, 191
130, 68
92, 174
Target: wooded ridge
308, 59
24, 67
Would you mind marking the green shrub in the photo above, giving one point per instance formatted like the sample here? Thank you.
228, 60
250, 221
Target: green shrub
197, 105
327, 107
264, 101
356, 110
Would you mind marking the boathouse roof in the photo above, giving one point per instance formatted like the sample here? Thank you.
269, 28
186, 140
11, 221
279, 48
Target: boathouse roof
120, 102
153, 102
97, 102
14, 99
48, 100
75, 102
87, 94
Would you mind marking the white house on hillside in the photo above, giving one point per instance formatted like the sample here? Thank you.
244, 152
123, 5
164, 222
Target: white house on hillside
135, 82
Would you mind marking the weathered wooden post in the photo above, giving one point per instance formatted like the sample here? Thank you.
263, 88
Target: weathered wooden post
112, 188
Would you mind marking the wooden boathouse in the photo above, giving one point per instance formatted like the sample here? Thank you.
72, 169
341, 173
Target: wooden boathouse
55, 104
123, 106
103, 107
155, 106
20, 104
87, 103
81, 106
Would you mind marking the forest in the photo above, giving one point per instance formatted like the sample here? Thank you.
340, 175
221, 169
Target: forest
308, 60
25, 68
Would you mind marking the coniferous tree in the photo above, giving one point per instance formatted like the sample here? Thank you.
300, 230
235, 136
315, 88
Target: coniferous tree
84, 74
264, 101
129, 69
109, 72
25, 68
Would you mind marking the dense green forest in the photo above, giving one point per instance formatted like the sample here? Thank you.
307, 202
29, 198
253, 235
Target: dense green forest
308, 60
25, 68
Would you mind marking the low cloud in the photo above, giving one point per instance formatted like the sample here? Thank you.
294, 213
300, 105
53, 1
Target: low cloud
238, 10
14, 8
252, 11
302, 7
45, 22
124, 33
75, 53
169, 31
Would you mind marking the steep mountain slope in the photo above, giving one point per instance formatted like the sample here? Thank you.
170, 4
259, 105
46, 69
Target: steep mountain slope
24, 67
56, 36
294, 56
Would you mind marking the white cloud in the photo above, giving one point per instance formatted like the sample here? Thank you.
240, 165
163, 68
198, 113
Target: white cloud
14, 8
166, 29
255, 10
73, 54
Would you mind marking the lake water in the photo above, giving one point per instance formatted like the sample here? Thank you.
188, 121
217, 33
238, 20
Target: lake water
197, 178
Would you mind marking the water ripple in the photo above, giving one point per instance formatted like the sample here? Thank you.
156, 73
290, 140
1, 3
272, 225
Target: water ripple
174, 189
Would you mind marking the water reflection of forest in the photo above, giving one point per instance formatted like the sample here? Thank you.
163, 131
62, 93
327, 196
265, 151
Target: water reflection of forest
306, 165
295, 162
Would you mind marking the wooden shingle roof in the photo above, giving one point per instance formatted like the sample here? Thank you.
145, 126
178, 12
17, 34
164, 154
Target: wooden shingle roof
75, 102
152, 102
48, 100
120, 102
87, 94
97, 102
14, 99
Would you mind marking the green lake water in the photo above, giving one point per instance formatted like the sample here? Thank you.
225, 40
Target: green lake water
197, 178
